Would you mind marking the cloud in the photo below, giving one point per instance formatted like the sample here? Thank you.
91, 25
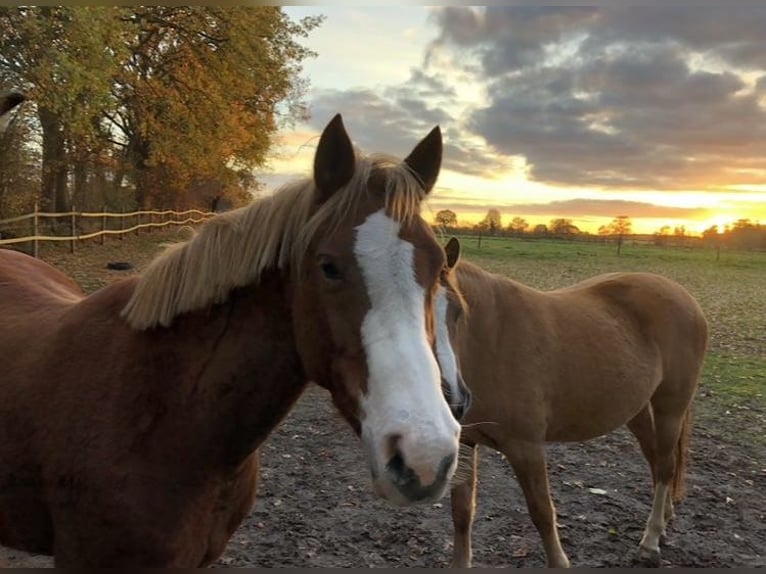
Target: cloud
395, 119
646, 97
506, 39
377, 123
607, 208
573, 208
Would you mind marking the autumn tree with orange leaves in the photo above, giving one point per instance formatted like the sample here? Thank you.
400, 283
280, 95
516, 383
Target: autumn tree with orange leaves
153, 101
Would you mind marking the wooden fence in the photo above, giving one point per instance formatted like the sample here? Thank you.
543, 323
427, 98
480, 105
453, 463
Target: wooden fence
81, 225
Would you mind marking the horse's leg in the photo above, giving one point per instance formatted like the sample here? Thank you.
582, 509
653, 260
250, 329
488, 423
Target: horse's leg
528, 462
669, 426
463, 496
642, 427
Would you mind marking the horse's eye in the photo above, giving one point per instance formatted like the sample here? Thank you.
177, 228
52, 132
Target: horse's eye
331, 271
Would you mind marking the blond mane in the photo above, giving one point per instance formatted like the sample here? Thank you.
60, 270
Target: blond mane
233, 249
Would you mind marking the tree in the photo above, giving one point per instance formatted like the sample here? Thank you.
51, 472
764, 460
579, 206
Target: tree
446, 218
619, 227
206, 88
563, 227
518, 226
159, 96
661, 235
745, 234
741, 224
710, 235
492, 222
540, 229
19, 165
65, 60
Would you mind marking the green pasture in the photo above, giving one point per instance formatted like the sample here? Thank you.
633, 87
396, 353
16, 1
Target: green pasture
731, 288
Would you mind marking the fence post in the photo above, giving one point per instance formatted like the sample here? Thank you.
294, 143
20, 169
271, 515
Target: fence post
122, 221
138, 221
74, 230
103, 225
35, 228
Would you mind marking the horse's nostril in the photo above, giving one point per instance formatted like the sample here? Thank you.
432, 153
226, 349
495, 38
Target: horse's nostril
401, 474
396, 465
393, 448
408, 483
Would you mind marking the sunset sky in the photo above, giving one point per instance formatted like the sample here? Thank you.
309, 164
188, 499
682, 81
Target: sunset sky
585, 113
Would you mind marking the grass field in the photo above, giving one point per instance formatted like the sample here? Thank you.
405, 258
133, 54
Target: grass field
731, 291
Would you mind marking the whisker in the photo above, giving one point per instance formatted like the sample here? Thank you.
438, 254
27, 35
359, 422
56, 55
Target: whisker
480, 423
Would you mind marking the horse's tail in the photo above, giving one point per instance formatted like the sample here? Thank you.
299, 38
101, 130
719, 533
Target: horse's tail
682, 456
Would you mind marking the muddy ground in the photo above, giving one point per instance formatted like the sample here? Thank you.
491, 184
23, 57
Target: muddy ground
315, 507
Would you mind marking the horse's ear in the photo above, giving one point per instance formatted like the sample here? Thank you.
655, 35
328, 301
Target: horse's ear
426, 159
10, 101
452, 251
334, 160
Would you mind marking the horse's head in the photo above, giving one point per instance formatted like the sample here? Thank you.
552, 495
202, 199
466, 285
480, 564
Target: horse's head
7, 103
365, 311
450, 315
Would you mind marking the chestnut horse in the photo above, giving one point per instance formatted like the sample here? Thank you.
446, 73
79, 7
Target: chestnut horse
570, 365
130, 418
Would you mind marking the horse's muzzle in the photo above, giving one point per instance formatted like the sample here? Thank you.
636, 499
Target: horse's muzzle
409, 485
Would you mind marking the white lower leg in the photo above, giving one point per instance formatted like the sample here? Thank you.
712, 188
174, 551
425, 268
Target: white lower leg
557, 558
655, 525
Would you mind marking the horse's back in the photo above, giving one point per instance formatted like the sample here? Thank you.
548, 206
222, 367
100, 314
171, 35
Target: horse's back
33, 297
28, 282
661, 332
661, 308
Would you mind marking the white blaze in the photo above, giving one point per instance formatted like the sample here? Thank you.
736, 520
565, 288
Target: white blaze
444, 352
404, 397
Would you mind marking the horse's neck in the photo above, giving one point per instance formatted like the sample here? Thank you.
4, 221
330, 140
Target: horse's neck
254, 374
494, 301
219, 379
476, 285
474, 282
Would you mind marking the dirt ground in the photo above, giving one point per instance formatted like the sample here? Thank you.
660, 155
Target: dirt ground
315, 507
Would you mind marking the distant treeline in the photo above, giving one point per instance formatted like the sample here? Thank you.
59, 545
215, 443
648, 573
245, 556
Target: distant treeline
742, 234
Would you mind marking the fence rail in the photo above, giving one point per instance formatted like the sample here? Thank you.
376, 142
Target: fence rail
80, 224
